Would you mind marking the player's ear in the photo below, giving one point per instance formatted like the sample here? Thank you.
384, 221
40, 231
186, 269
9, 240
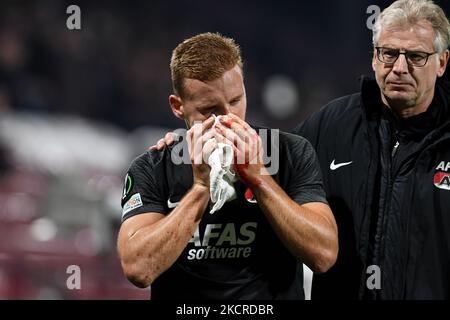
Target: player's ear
176, 104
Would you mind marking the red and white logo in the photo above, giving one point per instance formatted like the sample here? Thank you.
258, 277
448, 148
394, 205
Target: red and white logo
249, 196
442, 178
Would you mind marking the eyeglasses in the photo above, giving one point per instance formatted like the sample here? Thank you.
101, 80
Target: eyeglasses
414, 58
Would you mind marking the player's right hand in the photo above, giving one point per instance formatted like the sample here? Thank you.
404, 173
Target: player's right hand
200, 144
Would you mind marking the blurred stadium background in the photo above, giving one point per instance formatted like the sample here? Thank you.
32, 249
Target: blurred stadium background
76, 106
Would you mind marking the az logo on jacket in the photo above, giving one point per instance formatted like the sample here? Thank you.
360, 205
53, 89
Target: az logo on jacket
442, 180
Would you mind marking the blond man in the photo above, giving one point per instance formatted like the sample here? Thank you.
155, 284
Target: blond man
250, 247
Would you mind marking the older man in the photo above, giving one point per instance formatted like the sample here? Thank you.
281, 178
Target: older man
385, 156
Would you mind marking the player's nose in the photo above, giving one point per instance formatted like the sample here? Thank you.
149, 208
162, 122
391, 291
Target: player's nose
222, 110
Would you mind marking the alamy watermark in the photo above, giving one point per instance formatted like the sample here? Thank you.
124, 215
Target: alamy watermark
374, 12
73, 22
374, 280
269, 142
74, 280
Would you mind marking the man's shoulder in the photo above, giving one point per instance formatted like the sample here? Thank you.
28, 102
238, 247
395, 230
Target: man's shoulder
352, 105
290, 146
340, 113
290, 139
281, 137
341, 106
150, 159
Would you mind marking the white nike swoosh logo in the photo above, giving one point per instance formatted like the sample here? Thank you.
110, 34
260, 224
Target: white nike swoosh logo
334, 166
172, 204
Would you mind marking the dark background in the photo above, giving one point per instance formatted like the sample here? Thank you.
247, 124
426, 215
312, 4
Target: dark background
116, 68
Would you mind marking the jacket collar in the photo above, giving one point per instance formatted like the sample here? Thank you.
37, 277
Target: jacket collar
371, 98
372, 104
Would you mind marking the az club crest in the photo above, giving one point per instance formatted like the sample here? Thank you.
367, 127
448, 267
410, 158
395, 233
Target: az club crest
441, 179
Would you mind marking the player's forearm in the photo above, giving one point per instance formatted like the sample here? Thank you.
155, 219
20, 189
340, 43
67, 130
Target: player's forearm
309, 235
153, 249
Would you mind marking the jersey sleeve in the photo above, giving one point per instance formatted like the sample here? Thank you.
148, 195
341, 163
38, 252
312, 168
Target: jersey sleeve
142, 193
305, 183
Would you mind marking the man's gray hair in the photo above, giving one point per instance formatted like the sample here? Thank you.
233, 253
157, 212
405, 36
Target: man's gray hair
410, 12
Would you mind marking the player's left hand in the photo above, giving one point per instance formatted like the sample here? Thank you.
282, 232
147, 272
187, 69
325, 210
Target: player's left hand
247, 147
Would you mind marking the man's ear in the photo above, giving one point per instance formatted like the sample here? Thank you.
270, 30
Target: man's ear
176, 104
443, 59
374, 59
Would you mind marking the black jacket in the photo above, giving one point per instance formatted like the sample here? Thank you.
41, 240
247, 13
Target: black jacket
391, 203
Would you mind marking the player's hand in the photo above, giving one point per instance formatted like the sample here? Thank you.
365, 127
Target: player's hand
247, 146
168, 139
200, 145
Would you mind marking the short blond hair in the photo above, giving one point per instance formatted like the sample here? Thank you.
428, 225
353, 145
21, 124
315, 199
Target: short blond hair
204, 57
410, 12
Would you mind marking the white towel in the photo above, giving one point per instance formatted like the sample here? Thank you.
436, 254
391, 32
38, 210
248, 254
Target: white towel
222, 175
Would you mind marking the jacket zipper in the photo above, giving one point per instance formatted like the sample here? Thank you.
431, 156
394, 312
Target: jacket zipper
394, 150
387, 204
